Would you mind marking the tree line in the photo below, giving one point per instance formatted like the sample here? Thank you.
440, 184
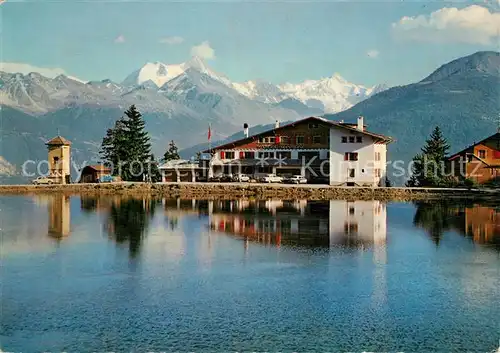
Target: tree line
126, 149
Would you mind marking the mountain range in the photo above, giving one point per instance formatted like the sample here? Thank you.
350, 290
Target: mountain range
179, 101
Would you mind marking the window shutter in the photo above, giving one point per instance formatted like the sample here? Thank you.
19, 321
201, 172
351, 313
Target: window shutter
222, 155
242, 155
277, 139
346, 156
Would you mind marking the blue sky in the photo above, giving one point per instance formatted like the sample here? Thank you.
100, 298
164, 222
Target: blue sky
365, 42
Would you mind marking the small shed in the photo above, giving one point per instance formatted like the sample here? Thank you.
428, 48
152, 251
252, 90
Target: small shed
92, 173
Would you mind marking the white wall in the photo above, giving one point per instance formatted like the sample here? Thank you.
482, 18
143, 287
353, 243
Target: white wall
365, 165
369, 216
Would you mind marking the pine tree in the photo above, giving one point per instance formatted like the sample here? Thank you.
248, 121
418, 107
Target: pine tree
126, 147
138, 145
172, 152
153, 171
428, 168
113, 148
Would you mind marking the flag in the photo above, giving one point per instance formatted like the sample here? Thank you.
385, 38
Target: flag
209, 132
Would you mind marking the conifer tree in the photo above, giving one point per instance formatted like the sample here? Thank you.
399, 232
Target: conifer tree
428, 168
126, 147
172, 152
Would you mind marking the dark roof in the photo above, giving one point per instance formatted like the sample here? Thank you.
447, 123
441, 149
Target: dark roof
98, 168
492, 137
58, 141
381, 138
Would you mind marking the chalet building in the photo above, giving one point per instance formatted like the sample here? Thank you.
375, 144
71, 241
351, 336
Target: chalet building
336, 152
479, 162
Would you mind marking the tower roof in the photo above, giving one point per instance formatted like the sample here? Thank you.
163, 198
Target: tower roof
58, 141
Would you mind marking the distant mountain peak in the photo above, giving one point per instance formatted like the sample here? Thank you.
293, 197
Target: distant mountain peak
487, 62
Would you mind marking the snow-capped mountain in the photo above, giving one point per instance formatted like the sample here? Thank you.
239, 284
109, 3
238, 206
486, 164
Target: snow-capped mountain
332, 94
160, 73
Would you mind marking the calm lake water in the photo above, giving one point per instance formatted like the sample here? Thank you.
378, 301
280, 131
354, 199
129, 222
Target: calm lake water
106, 274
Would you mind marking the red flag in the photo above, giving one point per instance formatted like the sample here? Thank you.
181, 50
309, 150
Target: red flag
209, 133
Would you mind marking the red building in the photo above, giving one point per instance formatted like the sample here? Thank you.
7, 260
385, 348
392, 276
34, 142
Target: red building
479, 162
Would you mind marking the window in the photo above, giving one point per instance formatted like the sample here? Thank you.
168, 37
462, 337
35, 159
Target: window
359, 139
482, 154
285, 140
313, 125
248, 155
377, 173
317, 139
229, 155
377, 156
350, 156
344, 139
266, 154
299, 140
268, 139
352, 173
352, 139
308, 155
284, 154
56, 160
352, 210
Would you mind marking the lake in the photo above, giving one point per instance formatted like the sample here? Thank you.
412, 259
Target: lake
114, 274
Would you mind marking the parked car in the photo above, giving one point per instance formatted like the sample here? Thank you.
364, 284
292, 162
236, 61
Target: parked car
271, 178
241, 178
296, 179
41, 180
105, 179
221, 179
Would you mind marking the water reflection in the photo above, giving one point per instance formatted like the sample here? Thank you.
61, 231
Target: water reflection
481, 223
59, 212
128, 221
332, 223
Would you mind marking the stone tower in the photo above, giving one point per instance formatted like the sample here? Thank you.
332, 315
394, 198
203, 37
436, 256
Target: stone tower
59, 160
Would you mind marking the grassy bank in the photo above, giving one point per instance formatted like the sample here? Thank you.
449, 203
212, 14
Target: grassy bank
236, 190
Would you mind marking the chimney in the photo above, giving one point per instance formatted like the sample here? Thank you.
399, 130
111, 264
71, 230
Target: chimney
361, 124
245, 129
276, 124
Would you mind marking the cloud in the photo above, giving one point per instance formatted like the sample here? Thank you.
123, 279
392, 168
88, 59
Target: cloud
120, 39
204, 51
372, 53
473, 25
27, 68
172, 40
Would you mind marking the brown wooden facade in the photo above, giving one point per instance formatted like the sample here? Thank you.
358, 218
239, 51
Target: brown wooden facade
479, 162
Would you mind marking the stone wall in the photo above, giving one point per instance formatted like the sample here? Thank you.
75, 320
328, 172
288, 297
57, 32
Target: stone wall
229, 191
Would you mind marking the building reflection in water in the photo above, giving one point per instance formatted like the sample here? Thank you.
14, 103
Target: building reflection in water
59, 214
335, 223
479, 222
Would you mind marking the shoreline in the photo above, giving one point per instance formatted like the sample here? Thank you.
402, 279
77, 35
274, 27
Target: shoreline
255, 190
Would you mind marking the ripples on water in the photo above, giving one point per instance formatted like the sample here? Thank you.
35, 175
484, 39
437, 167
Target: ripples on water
128, 274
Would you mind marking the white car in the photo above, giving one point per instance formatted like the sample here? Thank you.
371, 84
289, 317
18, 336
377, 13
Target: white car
241, 178
42, 180
271, 178
297, 179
